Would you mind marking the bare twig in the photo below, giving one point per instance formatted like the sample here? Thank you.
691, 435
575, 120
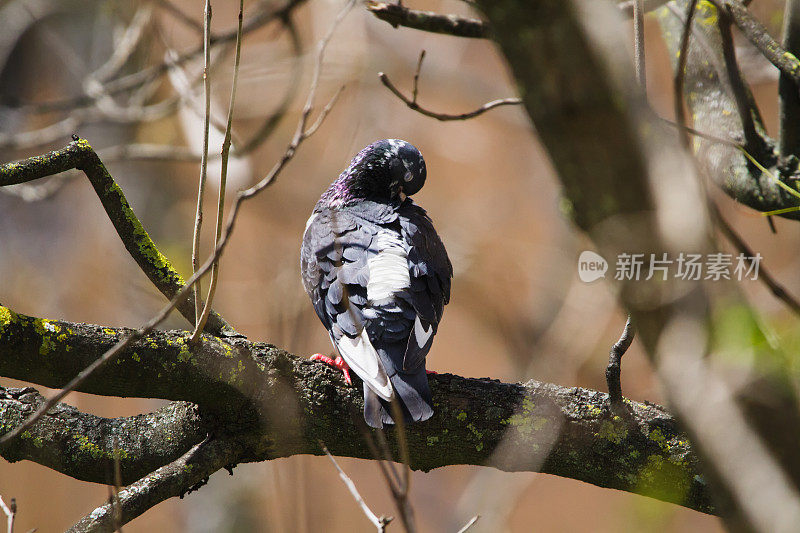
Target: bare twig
132, 113
416, 77
680, 75
754, 143
614, 368
123, 49
269, 124
399, 15
764, 275
757, 34
638, 43
787, 86
223, 180
379, 522
412, 103
703, 135
627, 6
10, 512
469, 524
150, 74
174, 479
401, 491
198, 220
181, 16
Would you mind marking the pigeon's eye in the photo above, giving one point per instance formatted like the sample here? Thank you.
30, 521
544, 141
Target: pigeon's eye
408, 176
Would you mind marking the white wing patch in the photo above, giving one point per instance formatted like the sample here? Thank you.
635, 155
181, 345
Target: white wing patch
421, 333
360, 355
309, 221
388, 269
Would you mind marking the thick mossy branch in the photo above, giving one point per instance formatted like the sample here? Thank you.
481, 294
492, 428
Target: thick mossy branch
83, 446
80, 155
283, 405
713, 110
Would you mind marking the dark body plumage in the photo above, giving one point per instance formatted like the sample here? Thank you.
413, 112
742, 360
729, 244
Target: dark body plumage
379, 276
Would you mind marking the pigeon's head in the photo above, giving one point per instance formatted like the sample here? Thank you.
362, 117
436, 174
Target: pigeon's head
385, 171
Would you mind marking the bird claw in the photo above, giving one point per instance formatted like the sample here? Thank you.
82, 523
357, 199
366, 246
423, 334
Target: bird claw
336, 363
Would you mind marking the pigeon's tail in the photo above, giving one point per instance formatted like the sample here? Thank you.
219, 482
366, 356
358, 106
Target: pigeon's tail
415, 400
373, 410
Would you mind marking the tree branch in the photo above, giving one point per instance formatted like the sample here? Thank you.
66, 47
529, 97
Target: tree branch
175, 479
80, 155
757, 34
81, 445
586, 115
149, 74
787, 85
444, 117
713, 108
399, 15
288, 404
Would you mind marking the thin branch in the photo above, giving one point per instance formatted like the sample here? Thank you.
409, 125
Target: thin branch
702, 135
754, 143
627, 6
412, 103
271, 122
198, 220
401, 491
638, 43
469, 524
123, 49
757, 34
614, 368
416, 77
223, 180
181, 16
80, 155
764, 275
10, 512
399, 15
175, 479
130, 114
150, 74
680, 75
787, 86
379, 523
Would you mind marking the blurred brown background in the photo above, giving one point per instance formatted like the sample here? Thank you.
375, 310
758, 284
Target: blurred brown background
518, 310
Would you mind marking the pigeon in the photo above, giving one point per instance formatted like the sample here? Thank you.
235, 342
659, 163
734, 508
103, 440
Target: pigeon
379, 277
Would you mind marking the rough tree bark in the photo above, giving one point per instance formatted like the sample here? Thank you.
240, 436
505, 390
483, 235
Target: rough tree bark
276, 404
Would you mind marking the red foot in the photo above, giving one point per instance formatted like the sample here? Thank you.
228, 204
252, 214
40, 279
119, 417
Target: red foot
429, 372
336, 363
